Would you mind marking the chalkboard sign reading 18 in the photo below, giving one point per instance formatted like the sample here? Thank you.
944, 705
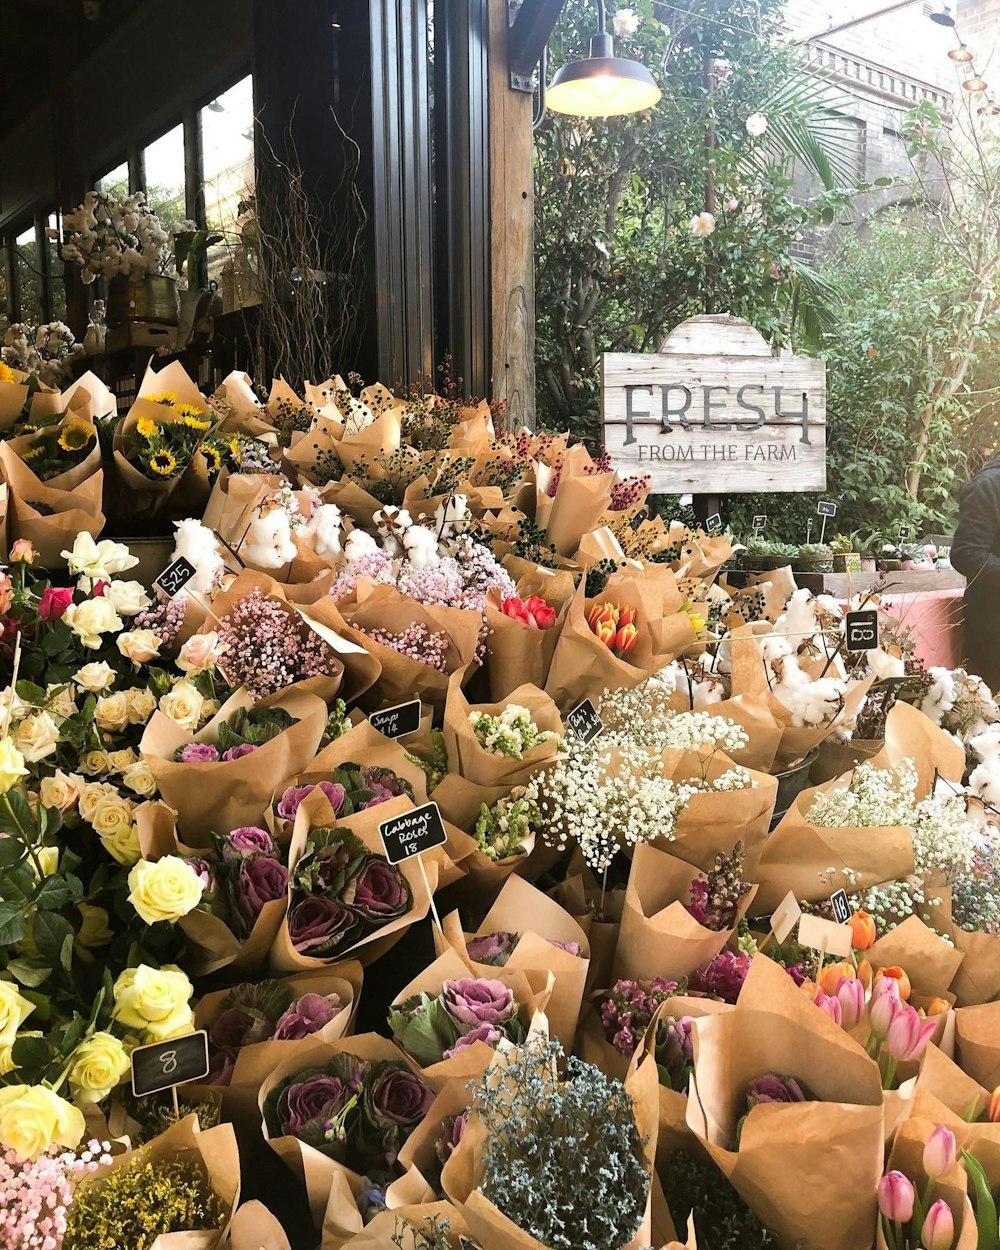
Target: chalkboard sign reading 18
841, 907
412, 833
165, 1064
175, 576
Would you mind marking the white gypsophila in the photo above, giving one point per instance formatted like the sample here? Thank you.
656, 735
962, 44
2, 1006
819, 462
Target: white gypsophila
694, 731
645, 718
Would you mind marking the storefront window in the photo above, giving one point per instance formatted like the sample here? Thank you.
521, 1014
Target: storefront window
29, 277
57, 287
163, 162
227, 154
115, 181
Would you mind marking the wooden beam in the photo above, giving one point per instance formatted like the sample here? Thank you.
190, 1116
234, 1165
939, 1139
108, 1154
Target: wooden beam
512, 201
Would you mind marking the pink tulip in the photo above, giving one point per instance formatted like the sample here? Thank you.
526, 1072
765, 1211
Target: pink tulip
940, 1152
883, 1008
828, 1004
938, 1231
851, 996
908, 1034
895, 1197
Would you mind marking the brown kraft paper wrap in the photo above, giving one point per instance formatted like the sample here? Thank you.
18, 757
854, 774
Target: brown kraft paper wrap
659, 937
72, 512
977, 1043
379, 1234
229, 793
930, 962
253, 1227
72, 478
518, 653
418, 1155
786, 1151
539, 921
473, 762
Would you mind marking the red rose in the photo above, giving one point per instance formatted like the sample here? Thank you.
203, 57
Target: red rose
54, 602
540, 612
516, 609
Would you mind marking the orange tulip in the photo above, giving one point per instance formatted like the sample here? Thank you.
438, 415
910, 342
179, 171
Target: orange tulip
993, 1107
862, 930
938, 1007
900, 977
626, 615
602, 614
809, 987
833, 974
625, 639
865, 973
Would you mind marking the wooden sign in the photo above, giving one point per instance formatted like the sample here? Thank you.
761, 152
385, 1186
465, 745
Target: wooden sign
825, 935
714, 411
785, 918
166, 1064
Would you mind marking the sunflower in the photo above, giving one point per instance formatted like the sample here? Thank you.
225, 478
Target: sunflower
31, 453
162, 463
212, 457
166, 397
194, 422
76, 435
147, 427
6, 373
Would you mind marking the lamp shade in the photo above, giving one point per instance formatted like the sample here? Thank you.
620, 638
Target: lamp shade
603, 85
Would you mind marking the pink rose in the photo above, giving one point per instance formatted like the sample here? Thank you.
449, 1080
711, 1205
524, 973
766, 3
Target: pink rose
54, 602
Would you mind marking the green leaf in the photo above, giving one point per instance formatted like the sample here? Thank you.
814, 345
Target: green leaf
424, 1029
986, 1211
50, 930
12, 923
30, 693
32, 1052
12, 851
15, 815
66, 953
53, 892
30, 972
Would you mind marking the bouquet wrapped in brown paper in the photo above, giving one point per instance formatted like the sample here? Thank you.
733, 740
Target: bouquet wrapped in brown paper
909, 1154
448, 1017
335, 1111
570, 500
977, 1043
320, 611
930, 962
49, 517
411, 1226
253, 1227
779, 1092
435, 1139
662, 934
522, 639
527, 931
484, 745
242, 413
211, 792
345, 898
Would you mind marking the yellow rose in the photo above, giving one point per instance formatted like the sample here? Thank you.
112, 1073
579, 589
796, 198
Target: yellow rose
95, 762
36, 737
61, 703
95, 677
154, 999
93, 792
92, 618
33, 1118
139, 778
164, 889
62, 791
209, 708
94, 929
12, 767
48, 861
7, 1063
183, 705
177, 1025
112, 814
141, 705
111, 712
139, 645
14, 1010
97, 1066
123, 846
120, 760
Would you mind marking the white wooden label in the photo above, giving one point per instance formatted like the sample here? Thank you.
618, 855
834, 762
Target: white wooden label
714, 412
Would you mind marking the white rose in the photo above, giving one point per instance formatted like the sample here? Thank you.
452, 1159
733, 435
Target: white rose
756, 125
62, 791
120, 760
129, 598
116, 557
111, 712
92, 618
140, 646
141, 705
95, 676
112, 815
36, 737
140, 779
183, 705
93, 792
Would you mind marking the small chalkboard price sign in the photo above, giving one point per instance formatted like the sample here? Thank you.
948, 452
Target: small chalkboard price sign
862, 630
759, 521
904, 532
826, 507
167, 1064
841, 907
412, 833
714, 522
585, 722
175, 576
397, 721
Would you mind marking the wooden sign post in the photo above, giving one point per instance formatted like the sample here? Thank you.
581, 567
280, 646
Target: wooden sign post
715, 412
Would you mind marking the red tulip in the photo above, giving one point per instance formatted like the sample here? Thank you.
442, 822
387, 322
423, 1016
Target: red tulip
625, 639
516, 609
540, 612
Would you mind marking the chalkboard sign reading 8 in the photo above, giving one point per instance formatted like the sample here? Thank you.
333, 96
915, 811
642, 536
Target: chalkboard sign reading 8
862, 630
166, 1064
412, 833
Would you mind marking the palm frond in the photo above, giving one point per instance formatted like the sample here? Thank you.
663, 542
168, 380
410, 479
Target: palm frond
807, 121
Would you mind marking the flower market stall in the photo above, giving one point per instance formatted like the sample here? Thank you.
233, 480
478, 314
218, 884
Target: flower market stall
425, 853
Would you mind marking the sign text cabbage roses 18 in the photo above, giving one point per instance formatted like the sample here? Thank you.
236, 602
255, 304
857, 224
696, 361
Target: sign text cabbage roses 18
714, 412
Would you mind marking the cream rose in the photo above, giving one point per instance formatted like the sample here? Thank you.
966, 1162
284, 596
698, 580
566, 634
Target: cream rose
141, 705
12, 767
139, 645
97, 1066
200, 652
145, 995
129, 598
123, 846
48, 861
93, 792
111, 712
92, 618
120, 760
140, 779
164, 889
34, 1117
62, 791
95, 676
112, 814
183, 705
94, 763
60, 700
36, 737
14, 1010
7, 1063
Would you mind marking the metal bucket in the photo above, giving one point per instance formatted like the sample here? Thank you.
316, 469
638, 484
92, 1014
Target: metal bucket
152, 299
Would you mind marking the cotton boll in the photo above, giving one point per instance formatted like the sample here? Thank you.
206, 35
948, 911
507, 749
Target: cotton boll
884, 665
828, 605
984, 781
358, 545
706, 693
986, 745
421, 547
775, 647
799, 617
269, 543
200, 547
816, 703
392, 523
324, 530
940, 697
452, 516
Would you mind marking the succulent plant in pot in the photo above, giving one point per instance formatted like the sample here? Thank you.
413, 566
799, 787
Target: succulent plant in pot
814, 558
761, 554
846, 550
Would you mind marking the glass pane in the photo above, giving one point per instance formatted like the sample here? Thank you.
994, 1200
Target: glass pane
115, 181
164, 165
57, 287
227, 150
29, 278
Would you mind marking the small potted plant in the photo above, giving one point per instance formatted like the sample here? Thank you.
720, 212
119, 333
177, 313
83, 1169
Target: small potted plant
762, 554
814, 558
846, 550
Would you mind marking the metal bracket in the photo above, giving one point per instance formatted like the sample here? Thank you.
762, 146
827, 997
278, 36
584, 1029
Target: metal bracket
530, 23
522, 82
